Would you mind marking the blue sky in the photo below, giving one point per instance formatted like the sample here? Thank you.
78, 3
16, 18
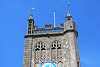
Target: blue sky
13, 27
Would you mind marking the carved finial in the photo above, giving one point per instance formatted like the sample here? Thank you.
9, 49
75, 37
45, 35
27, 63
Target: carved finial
31, 16
68, 13
31, 13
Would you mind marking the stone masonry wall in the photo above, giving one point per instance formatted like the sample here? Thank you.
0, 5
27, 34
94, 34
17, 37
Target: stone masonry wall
27, 52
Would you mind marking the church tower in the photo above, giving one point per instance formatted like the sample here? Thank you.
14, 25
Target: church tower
58, 45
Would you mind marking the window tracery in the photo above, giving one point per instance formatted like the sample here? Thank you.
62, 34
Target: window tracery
40, 52
56, 52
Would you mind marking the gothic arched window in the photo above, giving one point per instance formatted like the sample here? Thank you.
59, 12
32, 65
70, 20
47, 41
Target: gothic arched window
56, 51
40, 52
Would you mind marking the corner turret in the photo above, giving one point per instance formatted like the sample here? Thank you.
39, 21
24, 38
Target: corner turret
30, 25
69, 24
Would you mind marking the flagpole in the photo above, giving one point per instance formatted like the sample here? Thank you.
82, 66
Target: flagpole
54, 20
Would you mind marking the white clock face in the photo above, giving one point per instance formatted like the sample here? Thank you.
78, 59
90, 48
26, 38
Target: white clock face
48, 64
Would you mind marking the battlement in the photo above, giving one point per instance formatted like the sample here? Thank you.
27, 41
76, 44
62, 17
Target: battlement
48, 29
66, 26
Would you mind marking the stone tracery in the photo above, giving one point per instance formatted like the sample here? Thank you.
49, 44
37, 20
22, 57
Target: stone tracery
40, 52
56, 51
41, 49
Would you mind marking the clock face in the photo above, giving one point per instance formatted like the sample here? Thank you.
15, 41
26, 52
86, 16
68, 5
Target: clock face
48, 64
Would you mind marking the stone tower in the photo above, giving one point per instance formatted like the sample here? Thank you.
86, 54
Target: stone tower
58, 45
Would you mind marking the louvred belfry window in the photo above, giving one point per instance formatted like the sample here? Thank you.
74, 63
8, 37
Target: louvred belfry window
40, 52
56, 51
